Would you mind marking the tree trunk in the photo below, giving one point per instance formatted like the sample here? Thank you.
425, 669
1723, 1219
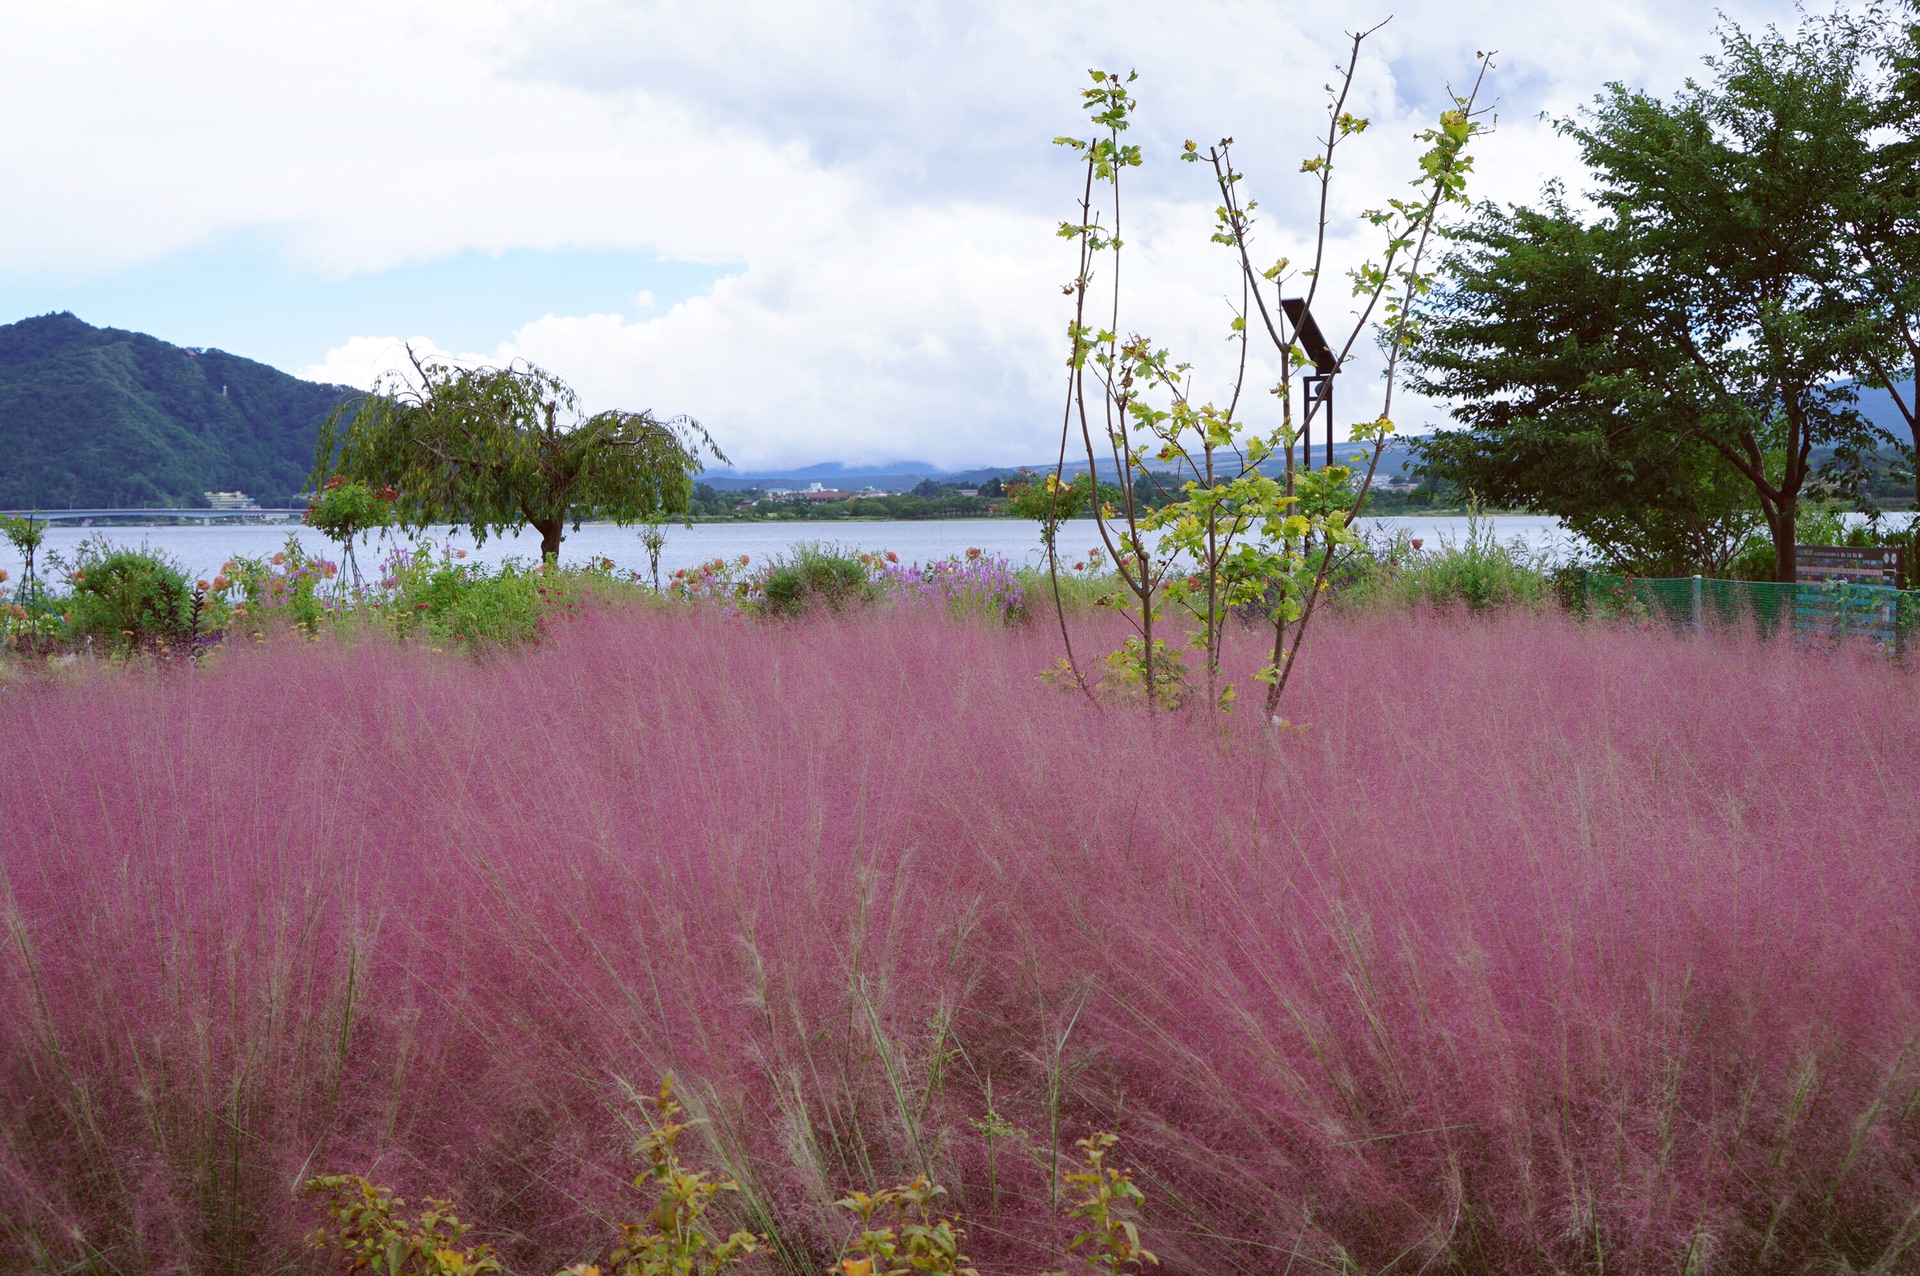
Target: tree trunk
549, 529
1781, 522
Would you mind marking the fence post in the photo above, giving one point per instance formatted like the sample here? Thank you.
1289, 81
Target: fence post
1697, 618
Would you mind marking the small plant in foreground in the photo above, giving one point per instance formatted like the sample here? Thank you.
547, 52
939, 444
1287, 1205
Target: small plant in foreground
674, 1241
372, 1236
915, 1241
1112, 1243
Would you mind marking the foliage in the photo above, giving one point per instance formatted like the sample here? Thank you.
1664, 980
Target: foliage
723, 581
1234, 536
907, 1239
371, 1235
437, 596
1882, 221
1052, 499
1702, 328
814, 576
24, 533
1098, 1193
254, 595
27, 615
344, 512
1827, 523
971, 584
100, 417
1557, 415
1480, 573
675, 1240
496, 449
129, 598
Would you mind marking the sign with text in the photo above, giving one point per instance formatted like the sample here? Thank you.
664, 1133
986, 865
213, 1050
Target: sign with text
1856, 565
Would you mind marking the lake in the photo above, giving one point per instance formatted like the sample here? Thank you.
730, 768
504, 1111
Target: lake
200, 549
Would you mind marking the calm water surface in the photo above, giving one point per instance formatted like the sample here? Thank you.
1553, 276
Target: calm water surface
201, 549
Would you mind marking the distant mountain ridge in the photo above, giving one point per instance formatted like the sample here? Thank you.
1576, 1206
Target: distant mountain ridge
902, 476
104, 417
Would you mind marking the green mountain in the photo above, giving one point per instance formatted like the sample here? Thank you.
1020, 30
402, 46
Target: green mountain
101, 417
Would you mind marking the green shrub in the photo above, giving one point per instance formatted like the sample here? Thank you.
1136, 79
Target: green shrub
128, 598
454, 603
1480, 573
815, 576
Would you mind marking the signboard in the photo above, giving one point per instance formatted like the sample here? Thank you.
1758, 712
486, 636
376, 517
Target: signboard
1856, 565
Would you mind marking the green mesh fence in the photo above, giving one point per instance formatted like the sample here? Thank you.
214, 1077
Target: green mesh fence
1821, 614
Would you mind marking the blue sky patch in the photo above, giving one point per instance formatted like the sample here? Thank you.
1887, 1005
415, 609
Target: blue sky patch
246, 297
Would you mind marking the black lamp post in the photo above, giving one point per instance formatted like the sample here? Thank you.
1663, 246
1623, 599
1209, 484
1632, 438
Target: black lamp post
1319, 386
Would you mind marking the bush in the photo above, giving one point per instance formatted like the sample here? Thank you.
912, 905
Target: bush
129, 598
815, 576
1480, 573
433, 594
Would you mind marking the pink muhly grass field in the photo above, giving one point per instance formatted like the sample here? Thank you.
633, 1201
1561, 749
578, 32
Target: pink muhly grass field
1542, 948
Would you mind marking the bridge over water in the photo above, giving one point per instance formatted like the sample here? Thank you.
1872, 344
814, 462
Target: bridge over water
150, 515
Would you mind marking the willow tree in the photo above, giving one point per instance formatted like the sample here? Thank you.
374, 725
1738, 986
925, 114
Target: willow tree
496, 449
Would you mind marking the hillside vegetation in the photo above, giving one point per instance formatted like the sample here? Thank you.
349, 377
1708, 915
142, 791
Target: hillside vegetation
103, 417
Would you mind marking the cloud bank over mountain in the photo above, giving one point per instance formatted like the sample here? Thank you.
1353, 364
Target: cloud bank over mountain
870, 189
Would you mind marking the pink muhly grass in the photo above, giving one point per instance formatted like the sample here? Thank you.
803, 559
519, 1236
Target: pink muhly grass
1534, 947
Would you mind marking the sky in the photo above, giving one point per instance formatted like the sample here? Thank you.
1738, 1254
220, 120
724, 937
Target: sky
824, 229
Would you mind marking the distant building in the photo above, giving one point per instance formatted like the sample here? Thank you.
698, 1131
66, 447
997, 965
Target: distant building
231, 501
816, 493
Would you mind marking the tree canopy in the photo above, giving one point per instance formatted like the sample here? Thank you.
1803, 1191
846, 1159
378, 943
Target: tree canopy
1663, 369
499, 448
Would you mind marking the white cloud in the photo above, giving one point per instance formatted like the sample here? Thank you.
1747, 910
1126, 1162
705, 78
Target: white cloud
880, 172
364, 362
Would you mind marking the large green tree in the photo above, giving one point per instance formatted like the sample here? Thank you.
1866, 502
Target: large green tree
1563, 414
496, 449
1883, 223
1680, 352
